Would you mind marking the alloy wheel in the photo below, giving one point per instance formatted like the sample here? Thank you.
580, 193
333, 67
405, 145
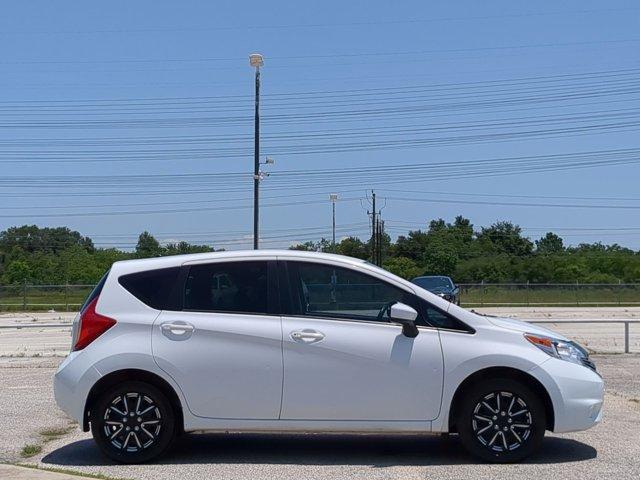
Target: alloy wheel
502, 421
132, 422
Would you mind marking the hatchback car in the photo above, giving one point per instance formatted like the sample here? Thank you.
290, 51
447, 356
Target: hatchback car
287, 341
441, 286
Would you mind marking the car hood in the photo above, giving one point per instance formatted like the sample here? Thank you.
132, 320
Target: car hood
441, 290
524, 327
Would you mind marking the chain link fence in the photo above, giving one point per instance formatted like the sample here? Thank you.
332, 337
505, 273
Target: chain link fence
549, 294
27, 297
70, 297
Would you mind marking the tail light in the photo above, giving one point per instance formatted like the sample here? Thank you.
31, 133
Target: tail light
90, 326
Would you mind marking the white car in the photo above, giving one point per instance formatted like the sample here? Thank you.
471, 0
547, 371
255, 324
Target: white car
309, 342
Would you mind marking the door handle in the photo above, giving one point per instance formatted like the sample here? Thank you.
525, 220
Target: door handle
177, 330
307, 336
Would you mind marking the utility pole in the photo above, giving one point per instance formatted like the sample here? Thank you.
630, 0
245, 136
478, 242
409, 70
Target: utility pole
378, 241
255, 59
334, 198
377, 229
373, 226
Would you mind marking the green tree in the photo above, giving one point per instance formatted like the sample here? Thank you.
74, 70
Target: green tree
504, 237
148, 246
550, 244
403, 267
31, 238
185, 247
304, 247
323, 245
17, 272
498, 253
439, 259
353, 247
411, 246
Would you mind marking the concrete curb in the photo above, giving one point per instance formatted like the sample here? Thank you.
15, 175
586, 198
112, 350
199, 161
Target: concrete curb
14, 472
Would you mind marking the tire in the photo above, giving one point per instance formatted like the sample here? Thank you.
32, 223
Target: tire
137, 431
506, 432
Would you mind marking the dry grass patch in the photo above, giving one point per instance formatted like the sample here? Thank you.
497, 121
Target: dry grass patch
30, 450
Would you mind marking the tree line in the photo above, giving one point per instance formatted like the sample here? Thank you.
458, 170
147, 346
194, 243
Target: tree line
55, 256
497, 253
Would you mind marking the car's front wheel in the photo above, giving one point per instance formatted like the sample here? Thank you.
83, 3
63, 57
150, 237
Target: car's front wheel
501, 420
133, 422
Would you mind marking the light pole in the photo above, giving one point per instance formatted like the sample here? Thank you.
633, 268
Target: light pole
256, 60
334, 198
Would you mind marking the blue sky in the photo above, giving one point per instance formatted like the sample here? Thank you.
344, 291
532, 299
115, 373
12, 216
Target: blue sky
131, 90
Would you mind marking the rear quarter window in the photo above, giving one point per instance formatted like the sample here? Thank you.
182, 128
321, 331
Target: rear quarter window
152, 287
95, 292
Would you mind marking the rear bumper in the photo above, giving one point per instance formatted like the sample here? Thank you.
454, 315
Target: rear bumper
71, 385
577, 394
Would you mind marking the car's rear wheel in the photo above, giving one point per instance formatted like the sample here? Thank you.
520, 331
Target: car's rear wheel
501, 420
133, 422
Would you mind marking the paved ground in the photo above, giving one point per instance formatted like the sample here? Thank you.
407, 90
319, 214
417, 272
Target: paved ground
31, 340
26, 403
610, 450
565, 313
31, 318
601, 338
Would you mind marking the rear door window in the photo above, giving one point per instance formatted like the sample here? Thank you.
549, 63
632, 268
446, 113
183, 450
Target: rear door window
234, 287
152, 287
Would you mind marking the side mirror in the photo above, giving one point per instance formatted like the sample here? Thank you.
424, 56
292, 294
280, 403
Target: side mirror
405, 316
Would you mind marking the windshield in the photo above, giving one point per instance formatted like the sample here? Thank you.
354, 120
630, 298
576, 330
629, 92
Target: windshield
433, 282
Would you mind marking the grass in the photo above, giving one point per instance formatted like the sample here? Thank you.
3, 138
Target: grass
51, 434
46, 435
30, 450
11, 298
541, 295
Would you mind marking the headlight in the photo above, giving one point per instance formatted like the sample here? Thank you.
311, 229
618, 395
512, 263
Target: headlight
569, 351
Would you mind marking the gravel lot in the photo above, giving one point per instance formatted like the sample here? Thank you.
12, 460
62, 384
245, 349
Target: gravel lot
29, 357
601, 338
610, 450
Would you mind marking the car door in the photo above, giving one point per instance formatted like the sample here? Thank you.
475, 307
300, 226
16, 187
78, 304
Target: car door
343, 360
224, 347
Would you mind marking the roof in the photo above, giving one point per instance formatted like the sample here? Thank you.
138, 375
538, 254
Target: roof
176, 260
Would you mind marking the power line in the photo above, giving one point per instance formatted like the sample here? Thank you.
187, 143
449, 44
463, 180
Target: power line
602, 74
514, 204
163, 211
608, 85
275, 58
191, 28
224, 177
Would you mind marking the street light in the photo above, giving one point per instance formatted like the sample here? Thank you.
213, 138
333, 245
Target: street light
262, 174
334, 198
256, 60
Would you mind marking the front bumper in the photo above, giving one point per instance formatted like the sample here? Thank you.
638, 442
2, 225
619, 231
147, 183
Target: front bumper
576, 391
449, 297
